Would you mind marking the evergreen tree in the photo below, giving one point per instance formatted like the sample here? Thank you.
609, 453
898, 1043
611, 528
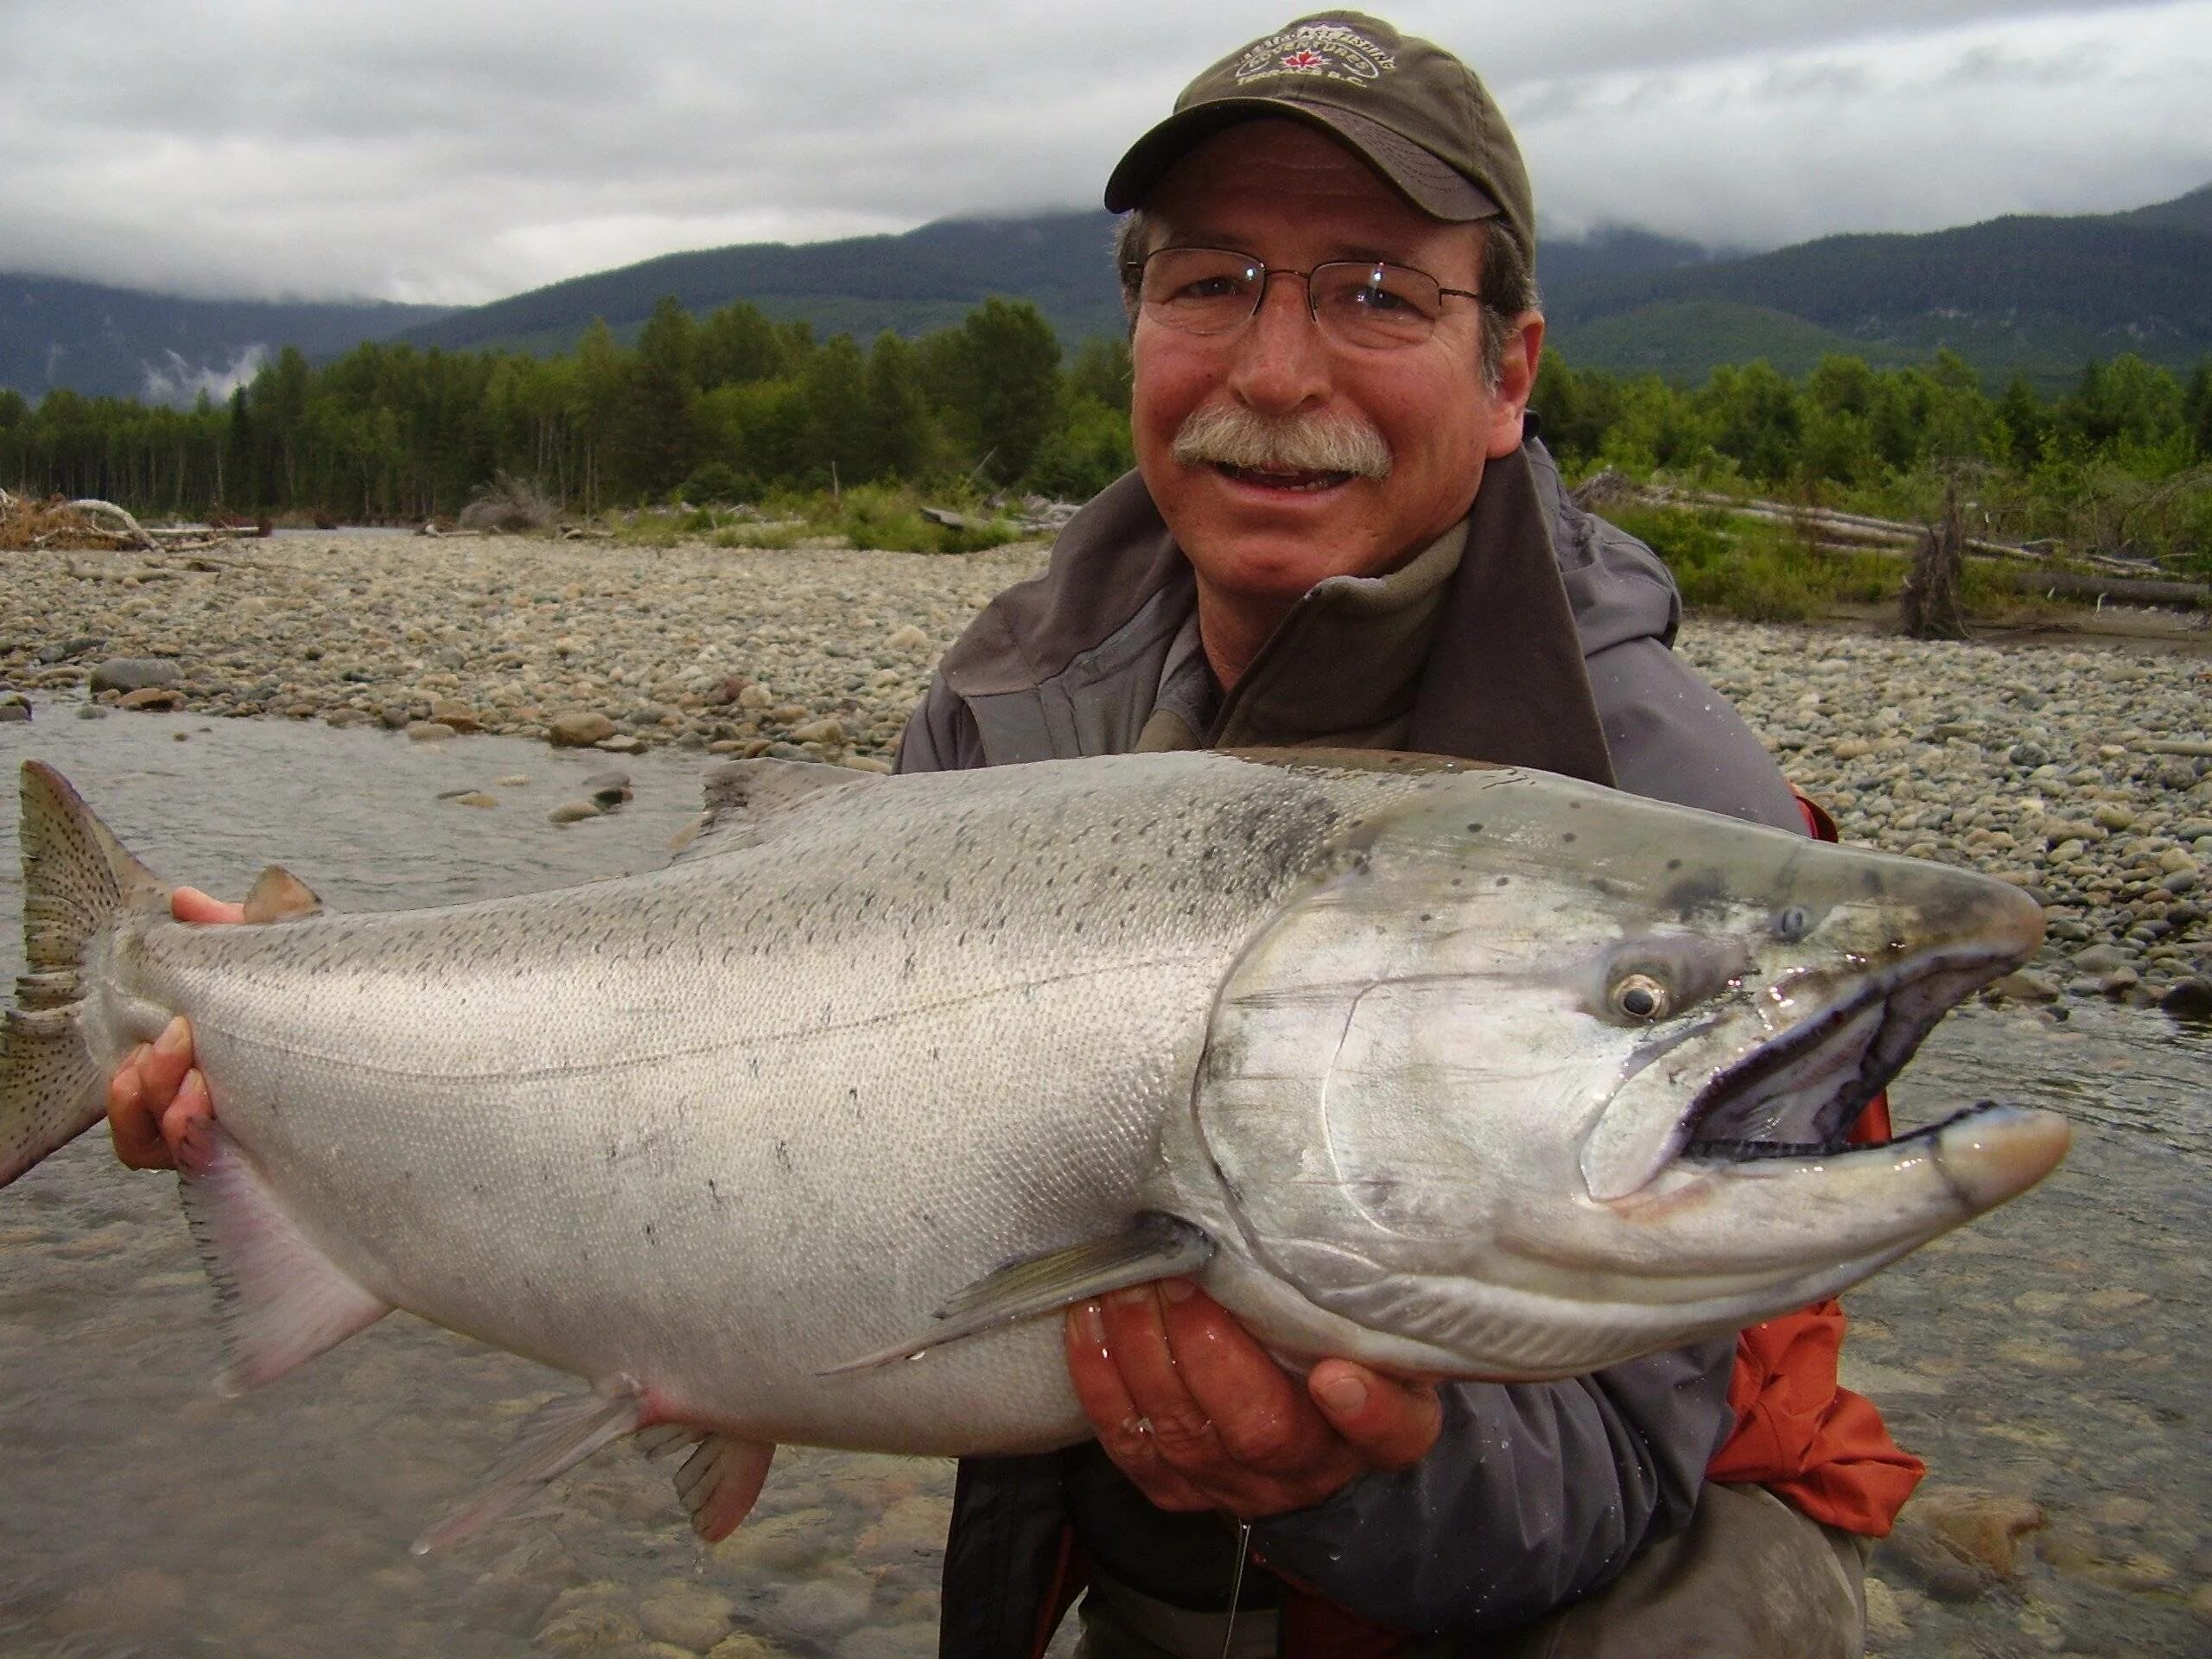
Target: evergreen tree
899, 438
658, 441
838, 438
1009, 383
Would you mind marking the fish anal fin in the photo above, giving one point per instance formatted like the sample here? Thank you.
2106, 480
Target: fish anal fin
559, 1436
1156, 1246
280, 1300
280, 896
720, 1481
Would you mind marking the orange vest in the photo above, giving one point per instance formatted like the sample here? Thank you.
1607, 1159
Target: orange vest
1798, 1434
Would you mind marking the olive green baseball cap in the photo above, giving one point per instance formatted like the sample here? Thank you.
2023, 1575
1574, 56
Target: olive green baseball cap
1409, 108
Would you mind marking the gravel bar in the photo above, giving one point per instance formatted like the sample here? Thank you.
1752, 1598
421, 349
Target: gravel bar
2083, 774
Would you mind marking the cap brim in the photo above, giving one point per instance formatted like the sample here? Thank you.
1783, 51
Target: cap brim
1427, 182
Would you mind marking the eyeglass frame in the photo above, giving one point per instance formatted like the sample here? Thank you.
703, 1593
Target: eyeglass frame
1132, 274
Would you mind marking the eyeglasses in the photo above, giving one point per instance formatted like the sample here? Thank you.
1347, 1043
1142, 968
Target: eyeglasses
1368, 303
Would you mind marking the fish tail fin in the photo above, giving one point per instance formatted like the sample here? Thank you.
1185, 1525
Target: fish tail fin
77, 879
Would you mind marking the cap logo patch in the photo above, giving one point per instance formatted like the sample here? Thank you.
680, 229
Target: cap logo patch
1327, 51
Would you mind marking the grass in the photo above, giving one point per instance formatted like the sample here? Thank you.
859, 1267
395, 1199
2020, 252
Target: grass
878, 517
1761, 572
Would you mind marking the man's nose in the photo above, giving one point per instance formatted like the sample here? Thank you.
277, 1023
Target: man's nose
1281, 362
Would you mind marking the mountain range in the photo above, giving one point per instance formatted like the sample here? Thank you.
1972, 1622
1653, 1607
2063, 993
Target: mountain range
2037, 294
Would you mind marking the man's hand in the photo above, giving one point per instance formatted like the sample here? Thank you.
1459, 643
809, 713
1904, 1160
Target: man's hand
1200, 1416
157, 1094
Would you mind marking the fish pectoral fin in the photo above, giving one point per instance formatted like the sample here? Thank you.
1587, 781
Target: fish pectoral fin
279, 1300
1156, 1247
720, 1482
280, 896
559, 1436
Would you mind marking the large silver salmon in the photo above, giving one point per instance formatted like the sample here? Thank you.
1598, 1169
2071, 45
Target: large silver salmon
1470, 1072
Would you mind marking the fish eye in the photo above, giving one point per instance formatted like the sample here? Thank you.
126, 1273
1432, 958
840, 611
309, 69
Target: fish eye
1793, 924
1640, 997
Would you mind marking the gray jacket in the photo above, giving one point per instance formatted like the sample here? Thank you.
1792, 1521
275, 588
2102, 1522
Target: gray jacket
1550, 648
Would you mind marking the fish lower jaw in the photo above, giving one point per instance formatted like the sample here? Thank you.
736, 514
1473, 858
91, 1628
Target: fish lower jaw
1798, 1095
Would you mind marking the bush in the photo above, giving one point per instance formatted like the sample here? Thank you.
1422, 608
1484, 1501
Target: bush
719, 483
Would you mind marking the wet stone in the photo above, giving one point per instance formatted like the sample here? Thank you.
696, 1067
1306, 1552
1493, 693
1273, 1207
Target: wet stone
690, 1616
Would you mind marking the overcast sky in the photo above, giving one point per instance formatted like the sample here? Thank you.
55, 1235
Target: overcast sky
460, 150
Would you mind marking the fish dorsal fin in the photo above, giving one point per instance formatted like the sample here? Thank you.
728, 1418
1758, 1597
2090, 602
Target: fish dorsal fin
1405, 762
76, 874
744, 798
280, 896
280, 1300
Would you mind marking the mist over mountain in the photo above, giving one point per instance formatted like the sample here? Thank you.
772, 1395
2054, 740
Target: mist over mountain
164, 348
2040, 295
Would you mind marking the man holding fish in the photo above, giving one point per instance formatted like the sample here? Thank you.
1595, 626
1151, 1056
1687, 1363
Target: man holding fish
1342, 533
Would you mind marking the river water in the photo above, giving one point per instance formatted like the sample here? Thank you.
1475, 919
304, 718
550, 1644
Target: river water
2055, 1353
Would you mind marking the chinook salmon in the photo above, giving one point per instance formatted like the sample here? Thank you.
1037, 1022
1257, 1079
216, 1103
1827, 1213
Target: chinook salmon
1456, 1070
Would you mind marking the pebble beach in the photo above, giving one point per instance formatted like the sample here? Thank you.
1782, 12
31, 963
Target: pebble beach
2084, 774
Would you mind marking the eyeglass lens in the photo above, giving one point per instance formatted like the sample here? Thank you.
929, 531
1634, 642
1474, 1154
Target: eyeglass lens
1360, 302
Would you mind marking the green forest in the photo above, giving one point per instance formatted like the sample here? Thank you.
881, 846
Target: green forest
735, 407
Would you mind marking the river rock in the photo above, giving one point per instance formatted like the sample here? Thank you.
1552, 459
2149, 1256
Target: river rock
825, 1606
136, 673
829, 731
745, 1645
2189, 999
1977, 1527
909, 1532
620, 743
62, 650
2099, 959
690, 1616
608, 788
429, 731
447, 711
573, 813
908, 638
154, 699
14, 707
589, 1630
579, 728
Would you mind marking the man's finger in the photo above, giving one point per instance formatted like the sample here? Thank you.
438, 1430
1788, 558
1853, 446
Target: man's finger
130, 1123
1136, 1332
1390, 1424
1260, 1412
191, 1109
1124, 1432
165, 1062
190, 905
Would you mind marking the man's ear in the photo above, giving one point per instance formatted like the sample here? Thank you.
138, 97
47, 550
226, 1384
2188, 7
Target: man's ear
1516, 379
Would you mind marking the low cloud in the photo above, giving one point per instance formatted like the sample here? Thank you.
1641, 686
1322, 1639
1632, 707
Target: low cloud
179, 384
452, 154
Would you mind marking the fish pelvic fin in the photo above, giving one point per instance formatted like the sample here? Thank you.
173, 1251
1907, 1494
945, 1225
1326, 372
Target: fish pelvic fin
78, 879
279, 1300
559, 1436
1156, 1246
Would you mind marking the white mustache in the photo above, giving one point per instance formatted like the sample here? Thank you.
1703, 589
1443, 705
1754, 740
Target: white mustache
1230, 435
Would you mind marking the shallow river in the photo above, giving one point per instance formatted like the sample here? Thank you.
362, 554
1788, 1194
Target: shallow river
2057, 1352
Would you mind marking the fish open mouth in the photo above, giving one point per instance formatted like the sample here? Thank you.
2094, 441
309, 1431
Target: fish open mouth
1797, 1095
